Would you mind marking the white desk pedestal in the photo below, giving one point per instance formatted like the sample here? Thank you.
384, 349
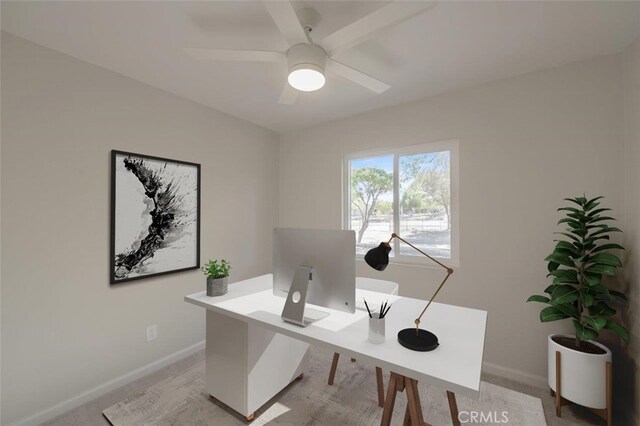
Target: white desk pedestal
247, 364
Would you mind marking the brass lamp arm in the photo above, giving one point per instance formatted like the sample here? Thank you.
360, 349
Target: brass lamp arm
449, 272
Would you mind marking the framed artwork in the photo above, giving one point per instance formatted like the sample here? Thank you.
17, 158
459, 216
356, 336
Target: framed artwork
155, 216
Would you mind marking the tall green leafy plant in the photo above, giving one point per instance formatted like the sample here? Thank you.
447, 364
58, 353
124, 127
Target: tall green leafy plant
578, 264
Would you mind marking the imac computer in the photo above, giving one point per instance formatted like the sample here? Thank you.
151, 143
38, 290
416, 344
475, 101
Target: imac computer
314, 266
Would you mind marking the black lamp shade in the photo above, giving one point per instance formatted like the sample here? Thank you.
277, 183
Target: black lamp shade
378, 258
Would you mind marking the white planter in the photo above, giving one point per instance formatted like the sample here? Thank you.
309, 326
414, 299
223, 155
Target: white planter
583, 376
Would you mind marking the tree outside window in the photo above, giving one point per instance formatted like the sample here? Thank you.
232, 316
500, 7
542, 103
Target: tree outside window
423, 188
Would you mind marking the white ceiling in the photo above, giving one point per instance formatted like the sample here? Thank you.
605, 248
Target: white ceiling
454, 45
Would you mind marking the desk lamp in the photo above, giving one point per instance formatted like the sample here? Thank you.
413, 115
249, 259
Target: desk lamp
413, 338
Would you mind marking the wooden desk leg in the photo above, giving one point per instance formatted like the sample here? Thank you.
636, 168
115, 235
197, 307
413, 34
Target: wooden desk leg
453, 408
413, 415
413, 402
334, 365
407, 417
400, 383
380, 381
390, 401
251, 416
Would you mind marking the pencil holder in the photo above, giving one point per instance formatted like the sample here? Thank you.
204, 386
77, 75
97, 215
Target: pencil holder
377, 327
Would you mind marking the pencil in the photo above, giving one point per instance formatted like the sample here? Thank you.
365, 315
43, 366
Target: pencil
385, 312
368, 310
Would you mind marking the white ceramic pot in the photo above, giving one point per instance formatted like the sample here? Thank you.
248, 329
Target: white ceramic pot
583, 376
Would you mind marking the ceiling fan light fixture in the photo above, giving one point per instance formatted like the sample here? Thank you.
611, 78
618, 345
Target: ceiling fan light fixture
306, 67
306, 77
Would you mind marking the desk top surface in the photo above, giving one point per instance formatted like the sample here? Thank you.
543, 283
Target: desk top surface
455, 365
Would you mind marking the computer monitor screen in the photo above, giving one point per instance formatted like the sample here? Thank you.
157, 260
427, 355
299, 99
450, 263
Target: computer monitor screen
331, 254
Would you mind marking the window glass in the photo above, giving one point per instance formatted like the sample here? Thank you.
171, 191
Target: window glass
425, 203
371, 195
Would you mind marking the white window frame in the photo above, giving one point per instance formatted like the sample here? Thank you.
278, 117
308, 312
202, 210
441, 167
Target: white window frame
450, 145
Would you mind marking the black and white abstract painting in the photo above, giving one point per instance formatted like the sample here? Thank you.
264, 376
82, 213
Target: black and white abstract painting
155, 216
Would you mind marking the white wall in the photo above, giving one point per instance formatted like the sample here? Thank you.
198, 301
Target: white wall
64, 329
631, 380
525, 144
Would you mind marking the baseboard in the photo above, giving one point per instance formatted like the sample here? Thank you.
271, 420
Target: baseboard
93, 393
515, 375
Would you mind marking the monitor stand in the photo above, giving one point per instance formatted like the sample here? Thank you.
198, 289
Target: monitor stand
295, 310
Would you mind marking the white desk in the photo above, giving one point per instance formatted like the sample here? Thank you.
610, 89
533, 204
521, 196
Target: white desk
454, 366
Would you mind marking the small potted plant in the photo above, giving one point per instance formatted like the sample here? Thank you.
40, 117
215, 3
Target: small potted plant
578, 264
217, 272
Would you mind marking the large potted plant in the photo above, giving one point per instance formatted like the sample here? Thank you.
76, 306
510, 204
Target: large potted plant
579, 265
217, 273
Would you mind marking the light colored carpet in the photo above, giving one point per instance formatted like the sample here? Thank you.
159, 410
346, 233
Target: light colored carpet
352, 400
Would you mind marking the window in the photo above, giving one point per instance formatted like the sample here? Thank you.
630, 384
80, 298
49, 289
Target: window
410, 191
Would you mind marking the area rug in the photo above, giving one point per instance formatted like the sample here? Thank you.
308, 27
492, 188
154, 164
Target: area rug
352, 400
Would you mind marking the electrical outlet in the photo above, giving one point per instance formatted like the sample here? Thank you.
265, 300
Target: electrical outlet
152, 332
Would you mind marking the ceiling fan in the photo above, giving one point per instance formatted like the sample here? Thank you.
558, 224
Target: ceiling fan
306, 59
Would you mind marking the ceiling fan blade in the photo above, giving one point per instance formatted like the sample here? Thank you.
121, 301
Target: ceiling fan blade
364, 28
356, 76
234, 55
288, 95
285, 17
